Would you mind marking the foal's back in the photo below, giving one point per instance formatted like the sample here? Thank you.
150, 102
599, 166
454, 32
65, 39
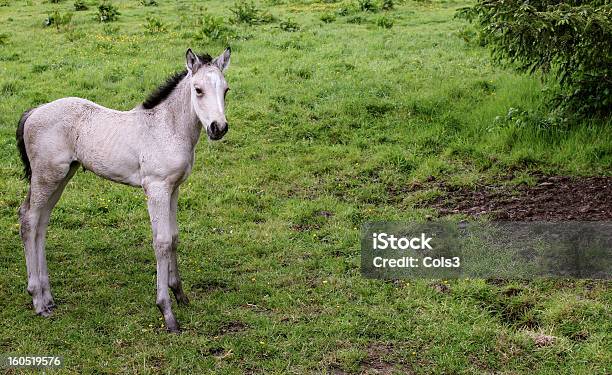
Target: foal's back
69, 130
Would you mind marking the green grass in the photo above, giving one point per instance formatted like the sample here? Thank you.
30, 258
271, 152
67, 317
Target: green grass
334, 116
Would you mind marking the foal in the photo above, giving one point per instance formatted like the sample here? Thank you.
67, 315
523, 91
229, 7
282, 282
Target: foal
151, 146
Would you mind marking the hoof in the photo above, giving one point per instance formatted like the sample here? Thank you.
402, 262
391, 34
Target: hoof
45, 312
182, 299
44, 308
176, 329
172, 325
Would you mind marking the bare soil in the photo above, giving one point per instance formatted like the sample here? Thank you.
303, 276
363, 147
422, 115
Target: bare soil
551, 198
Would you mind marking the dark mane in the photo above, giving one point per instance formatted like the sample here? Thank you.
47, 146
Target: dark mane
162, 92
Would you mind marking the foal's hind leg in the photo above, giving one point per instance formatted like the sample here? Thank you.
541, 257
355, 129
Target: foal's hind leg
174, 278
46, 188
41, 232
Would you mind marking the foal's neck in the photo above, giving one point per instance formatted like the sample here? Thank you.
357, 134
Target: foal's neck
183, 118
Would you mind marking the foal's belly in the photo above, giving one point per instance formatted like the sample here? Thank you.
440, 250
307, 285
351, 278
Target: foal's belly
115, 160
121, 172
128, 178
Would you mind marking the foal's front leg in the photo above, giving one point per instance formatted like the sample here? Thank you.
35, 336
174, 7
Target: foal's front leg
174, 278
159, 197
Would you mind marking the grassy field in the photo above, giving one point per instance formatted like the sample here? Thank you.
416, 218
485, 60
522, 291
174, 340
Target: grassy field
329, 122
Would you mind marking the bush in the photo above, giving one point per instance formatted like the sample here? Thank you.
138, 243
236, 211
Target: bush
107, 12
568, 40
80, 5
154, 25
289, 25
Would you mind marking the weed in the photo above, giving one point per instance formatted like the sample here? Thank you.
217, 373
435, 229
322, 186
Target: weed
154, 25
4, 38
328, 17
73, 35
384, 22
149, 3
80, 5
246, 12
356, 19
344, 11
214, 28
58, 19
110, 29
107, 12
289, 25
471, 36
367, 5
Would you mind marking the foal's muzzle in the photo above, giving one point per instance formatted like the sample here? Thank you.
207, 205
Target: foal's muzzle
217, 130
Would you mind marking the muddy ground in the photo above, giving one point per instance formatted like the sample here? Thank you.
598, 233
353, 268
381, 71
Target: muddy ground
551, 198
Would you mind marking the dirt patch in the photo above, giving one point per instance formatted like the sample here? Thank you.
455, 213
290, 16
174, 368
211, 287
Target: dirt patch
209, 286
313, 221
335, 369
378, 361
551, 198
540, 339
440, 287
382, 358
232, 327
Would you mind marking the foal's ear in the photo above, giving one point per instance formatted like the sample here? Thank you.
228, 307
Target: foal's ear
222, 62
193, 62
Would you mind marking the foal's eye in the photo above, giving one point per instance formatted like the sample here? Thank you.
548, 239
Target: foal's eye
199, 91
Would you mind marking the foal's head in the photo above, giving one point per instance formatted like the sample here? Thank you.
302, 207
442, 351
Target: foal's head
208, 89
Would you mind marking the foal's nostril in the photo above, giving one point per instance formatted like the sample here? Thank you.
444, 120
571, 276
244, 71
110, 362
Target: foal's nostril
223, 128
214, 127
217, 130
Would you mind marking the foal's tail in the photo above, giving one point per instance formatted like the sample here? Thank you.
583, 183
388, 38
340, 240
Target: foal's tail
21, 144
